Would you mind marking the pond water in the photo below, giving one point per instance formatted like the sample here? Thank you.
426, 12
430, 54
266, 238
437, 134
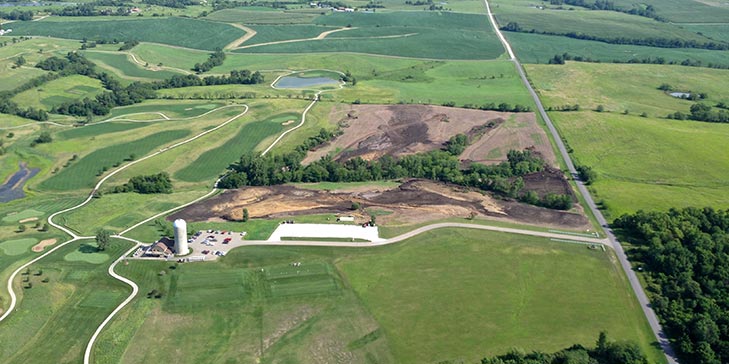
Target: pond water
680, 95
13, 187
299, 82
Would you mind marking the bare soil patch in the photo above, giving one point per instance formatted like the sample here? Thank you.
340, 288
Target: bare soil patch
414, 201
373, 131
44, 243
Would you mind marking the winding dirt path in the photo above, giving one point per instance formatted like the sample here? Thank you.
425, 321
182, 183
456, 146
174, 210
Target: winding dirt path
250, 33
321, 36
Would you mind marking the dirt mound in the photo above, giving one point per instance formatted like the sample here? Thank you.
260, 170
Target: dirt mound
372, 131
414, 201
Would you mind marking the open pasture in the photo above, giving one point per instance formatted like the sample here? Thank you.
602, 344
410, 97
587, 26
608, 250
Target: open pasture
279, 33
538, 48
83, 174
418, 35
59, 91
417, 301
183, 32
717, 31
12, 77
121, 65
55, 319
632, 87
642, 163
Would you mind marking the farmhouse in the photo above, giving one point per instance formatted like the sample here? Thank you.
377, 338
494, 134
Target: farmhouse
5, 31
159, 249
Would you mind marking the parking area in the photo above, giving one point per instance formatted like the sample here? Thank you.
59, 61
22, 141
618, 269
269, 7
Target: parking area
211, 244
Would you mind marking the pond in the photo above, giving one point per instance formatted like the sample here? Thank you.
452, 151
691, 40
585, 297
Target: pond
301, 82
681, 95
13, 187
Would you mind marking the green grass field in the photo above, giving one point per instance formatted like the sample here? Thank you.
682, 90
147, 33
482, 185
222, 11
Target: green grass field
54, 320
716, 31
276, 33
682, 11
214, 161
607, 24
125, 68
83, 173
59, 91
642, 163
445, 295
447, 36
183, 32
537, 48
262, 16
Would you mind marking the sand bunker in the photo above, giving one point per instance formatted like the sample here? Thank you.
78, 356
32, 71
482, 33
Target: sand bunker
44, 243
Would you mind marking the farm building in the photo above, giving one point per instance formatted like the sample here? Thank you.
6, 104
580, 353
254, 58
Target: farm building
159, 249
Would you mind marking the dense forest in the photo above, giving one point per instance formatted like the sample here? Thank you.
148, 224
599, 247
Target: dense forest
504, 179
156, 183
605, 352
685, 257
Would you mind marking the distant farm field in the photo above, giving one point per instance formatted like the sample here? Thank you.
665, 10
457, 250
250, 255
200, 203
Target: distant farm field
59, 91
685, 11
444, 295
182, 32
537, 48
269, 16
277, 33
440, 35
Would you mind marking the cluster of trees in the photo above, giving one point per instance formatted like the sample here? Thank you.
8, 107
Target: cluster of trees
702, 112
503, 107
242, 77
43, 138
348, 78
561, 58
9, 107
586, 174
605, 352
23, 15
128, 45
155, 183
649, 42
575, 107
687, 95
90, 9
215, 59
442, 165
72, 64
179, 4
685, 256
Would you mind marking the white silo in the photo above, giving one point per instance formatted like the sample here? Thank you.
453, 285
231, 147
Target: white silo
180, 227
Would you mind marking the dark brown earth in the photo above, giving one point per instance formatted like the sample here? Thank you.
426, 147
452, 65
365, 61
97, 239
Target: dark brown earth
414, 201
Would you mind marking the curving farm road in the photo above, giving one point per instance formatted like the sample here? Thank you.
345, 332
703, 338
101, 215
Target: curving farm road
619, 252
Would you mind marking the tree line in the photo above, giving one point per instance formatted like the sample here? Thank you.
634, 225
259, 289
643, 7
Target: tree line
155, 183
23, 15
702, 112
604, 352
503, 107
504, 179
561, 58
118, 95
685, 256
649, 42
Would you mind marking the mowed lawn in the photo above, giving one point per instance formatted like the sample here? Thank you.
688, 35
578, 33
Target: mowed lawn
59, 91
643, 163
55, 319
184, 32
215, 161
444, 295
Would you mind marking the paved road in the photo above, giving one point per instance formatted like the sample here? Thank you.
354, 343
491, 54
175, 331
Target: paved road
624, 263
